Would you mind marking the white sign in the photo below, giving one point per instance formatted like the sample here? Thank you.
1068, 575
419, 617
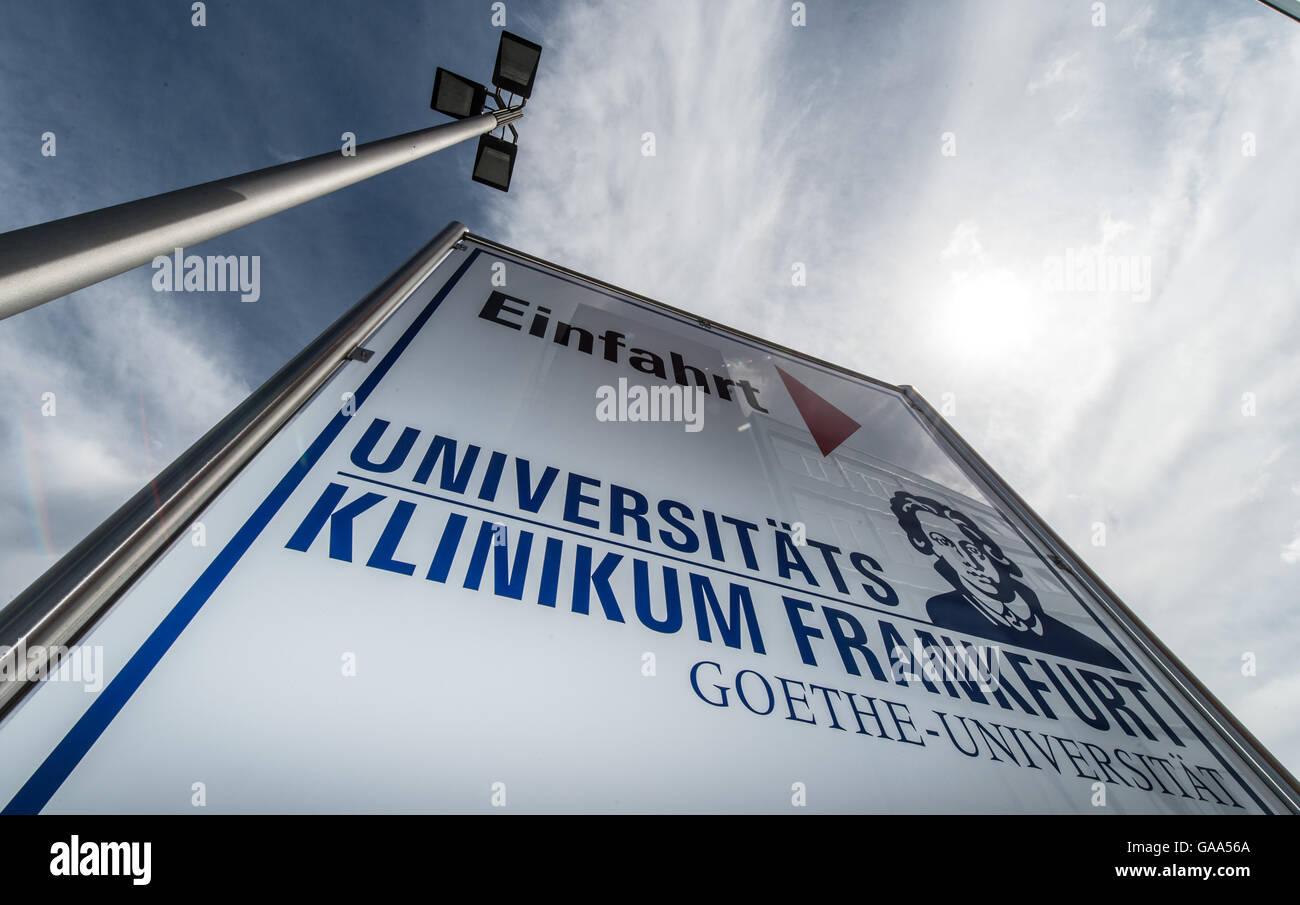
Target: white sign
553, 548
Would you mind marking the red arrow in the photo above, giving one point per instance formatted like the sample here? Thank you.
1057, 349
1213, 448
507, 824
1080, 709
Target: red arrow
828, 425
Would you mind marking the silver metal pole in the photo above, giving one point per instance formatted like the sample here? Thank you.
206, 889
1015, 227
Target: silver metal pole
43, 262
76, 590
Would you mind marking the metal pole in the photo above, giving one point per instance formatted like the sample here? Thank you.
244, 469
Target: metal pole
71, 595
43, 262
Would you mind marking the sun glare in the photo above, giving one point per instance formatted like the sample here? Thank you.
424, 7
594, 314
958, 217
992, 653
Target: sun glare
990, 313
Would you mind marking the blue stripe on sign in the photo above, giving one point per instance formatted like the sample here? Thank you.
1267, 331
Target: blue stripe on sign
50, 775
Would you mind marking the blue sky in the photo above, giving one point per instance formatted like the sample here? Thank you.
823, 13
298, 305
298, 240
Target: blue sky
774, 145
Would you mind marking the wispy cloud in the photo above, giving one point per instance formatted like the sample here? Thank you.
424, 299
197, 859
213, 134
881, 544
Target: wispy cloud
99, 399
823, 146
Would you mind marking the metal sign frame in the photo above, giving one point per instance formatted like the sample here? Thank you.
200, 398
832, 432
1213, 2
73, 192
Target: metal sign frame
62, 605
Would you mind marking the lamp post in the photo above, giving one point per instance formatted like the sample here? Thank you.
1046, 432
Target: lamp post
515, 72
49, 260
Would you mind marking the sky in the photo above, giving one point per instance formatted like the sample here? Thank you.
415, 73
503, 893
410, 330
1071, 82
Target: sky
942, 173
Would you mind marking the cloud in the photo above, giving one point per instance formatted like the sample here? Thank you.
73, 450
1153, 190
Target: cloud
1055, 73
1291, 552
103, 391
1272, 703
822, 146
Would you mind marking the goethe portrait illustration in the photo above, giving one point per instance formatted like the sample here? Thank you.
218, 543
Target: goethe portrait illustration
988, 598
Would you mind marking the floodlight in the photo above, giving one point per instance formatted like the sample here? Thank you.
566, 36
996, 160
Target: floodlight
456, 95
516, 66
495, 162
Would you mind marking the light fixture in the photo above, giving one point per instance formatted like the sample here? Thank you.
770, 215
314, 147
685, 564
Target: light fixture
516, 66
456, 95
495, 162
462, 98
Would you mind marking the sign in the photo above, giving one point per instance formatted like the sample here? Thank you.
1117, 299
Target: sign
556, 548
